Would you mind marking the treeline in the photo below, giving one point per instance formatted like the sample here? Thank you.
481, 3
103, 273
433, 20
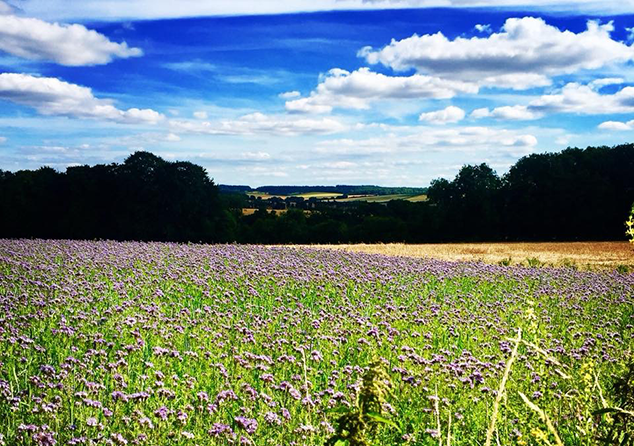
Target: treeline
572, 195
145, 198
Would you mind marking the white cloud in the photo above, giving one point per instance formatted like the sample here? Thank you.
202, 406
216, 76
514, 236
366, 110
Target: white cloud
357, 89
524, 54
171, 137
514, 113
340, 165
151, 9
3, 139
448, 115
53, 97
72, 45
200, 115
479, 113
486, 29
433, 139
573, 98
617, 125
256, 156
584, 100
290, 95
261, 124
562, 140
600, 83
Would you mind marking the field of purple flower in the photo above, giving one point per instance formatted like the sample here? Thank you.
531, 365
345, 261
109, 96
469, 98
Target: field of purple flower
106, 343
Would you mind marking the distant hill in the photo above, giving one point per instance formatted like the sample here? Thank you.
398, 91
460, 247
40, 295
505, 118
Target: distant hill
338, 189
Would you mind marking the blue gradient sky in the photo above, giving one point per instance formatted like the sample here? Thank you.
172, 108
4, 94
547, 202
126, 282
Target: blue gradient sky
255, 100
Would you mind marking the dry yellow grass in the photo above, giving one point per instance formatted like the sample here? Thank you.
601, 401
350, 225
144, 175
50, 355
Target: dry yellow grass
580, 254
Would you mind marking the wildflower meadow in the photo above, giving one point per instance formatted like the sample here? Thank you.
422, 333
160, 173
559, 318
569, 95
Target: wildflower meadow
111, 343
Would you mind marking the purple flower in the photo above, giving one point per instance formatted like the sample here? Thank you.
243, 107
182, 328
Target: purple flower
248, 424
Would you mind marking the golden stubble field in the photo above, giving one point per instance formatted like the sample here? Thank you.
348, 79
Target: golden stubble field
590, 255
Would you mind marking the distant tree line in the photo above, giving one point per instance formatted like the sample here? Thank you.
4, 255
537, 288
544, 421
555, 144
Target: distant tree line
340, 188
576, 194
145, 198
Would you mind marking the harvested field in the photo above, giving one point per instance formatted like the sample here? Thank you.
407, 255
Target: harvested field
604, 255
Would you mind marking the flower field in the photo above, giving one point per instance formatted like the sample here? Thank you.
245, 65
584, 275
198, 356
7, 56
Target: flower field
106, 343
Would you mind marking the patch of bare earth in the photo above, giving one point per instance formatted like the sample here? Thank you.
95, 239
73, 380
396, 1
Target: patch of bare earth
580, 254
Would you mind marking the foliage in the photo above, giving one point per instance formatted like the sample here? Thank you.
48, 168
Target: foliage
620, 419
358, 424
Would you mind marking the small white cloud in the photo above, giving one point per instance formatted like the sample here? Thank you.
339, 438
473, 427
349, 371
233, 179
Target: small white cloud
290, 95
512, 113
450, 114
562, 140
485, 29
479, 113
3, 139
597, 84
515, 113
71, 45
171, 137
340, 165
200, 115
53, 97
255, 156
617, 125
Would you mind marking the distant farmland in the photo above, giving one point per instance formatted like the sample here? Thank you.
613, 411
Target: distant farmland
343, 198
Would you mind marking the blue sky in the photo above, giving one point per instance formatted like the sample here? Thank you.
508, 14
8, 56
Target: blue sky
336, 92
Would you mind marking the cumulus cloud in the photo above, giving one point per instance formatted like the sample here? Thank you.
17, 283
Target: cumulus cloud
617, 125
72, 45
514, 112
573, 98
3, 139
450, 114
261, 124
53, 97
524, 54
358, 89
200, 115
584, 100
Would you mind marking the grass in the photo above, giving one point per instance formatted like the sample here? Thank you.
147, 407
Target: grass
156, 344
584, 255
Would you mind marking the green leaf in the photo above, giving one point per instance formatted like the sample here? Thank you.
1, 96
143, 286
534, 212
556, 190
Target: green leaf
606, 410
380, 419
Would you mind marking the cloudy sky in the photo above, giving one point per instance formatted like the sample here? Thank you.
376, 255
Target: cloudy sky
388, 92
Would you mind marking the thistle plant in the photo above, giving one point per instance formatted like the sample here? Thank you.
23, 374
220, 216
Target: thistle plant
354, 427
